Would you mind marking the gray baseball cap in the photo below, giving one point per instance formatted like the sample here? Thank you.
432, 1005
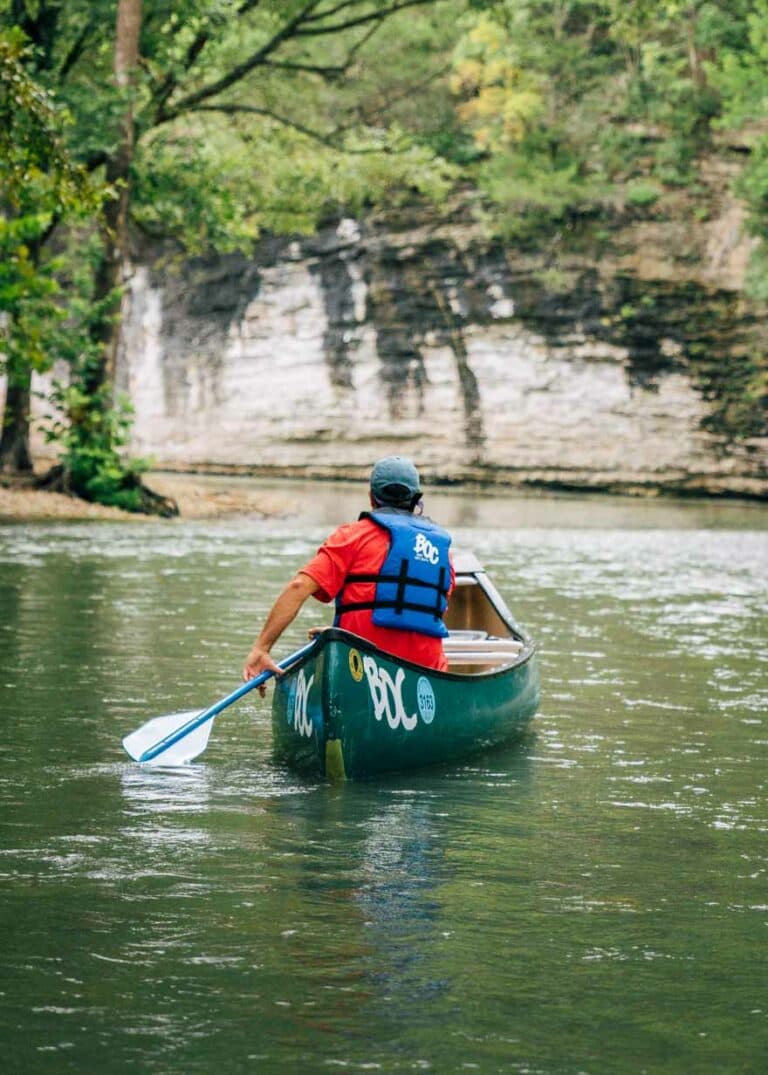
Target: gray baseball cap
395, 479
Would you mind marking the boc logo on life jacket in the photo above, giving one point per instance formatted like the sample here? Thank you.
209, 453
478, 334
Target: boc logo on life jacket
425, 550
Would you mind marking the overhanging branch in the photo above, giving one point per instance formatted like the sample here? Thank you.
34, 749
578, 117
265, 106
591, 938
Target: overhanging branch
343, 5
410, 90
76, 51
307, 22
329, 72
192, 100
328, 139
307, 30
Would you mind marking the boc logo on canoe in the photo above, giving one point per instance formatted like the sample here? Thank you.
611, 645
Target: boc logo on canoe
387, 697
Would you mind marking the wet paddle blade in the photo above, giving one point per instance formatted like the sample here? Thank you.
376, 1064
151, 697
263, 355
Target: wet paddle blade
160, 728
180, 737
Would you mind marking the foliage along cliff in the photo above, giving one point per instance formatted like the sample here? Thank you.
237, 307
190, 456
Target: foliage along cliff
619, 362
602, 144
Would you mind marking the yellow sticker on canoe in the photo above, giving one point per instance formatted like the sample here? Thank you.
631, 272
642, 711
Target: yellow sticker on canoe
355, 665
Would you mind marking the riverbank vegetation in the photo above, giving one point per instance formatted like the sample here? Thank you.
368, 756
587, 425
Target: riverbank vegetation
210, 124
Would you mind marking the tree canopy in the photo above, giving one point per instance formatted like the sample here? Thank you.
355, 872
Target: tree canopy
211, 121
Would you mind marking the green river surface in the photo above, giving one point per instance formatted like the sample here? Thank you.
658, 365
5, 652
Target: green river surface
592, 899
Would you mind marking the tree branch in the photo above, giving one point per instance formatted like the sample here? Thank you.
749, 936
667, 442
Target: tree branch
361, 42
320, 15
317, 136
241, 70
410, 90
76, 51
360, 20
330, 72
170, 83
315, 69
296, 27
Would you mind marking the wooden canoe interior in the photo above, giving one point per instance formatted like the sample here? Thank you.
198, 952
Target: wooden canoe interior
480, 640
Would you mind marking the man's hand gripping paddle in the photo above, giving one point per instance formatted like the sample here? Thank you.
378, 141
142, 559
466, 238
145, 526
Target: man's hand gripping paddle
180, 737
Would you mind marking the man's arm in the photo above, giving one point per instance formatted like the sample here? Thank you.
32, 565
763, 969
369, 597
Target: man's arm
281, 614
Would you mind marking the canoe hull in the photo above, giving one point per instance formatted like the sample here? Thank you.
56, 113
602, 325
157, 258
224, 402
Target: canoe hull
348, 710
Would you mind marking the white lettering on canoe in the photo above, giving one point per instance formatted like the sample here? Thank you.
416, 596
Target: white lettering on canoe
387, 695
301, 721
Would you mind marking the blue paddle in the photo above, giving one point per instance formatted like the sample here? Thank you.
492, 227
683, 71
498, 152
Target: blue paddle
179, 737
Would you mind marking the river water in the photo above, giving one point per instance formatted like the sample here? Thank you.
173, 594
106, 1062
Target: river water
593, 899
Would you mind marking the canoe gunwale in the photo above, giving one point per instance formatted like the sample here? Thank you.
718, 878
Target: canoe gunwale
338, 634
502, 609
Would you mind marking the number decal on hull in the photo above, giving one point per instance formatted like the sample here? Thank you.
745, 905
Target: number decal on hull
425, 700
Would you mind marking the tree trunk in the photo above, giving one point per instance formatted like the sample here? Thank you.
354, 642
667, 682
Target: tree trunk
695, 55
100, 379
109, 277
15, 456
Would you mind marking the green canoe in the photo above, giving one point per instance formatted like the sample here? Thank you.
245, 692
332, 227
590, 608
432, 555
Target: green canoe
349, 710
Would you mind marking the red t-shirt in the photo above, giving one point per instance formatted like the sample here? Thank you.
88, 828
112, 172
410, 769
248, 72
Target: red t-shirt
361, 548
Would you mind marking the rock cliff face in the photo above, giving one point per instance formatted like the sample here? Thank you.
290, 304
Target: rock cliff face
317, 356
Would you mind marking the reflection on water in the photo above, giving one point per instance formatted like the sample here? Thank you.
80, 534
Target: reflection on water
591, 899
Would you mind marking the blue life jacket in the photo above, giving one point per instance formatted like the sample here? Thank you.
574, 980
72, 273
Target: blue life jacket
413, 582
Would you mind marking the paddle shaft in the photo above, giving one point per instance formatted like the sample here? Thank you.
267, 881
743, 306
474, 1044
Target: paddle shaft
216, 708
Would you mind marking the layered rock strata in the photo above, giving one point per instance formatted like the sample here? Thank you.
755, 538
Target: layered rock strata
483, 363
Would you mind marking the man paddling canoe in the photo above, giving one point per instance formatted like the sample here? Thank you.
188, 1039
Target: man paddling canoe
390, 574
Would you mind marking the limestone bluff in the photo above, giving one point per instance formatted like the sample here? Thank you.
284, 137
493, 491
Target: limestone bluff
316, 355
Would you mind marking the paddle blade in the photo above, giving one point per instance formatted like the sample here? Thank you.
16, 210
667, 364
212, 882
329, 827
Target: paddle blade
160, 728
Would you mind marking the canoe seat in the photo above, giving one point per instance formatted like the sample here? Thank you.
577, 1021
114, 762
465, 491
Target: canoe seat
481, 644
479, 653
465, 636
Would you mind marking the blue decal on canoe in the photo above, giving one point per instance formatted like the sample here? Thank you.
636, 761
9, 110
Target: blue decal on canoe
425, 700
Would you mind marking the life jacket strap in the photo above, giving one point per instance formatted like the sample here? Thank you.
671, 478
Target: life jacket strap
399, 604
440, 587
440, 593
